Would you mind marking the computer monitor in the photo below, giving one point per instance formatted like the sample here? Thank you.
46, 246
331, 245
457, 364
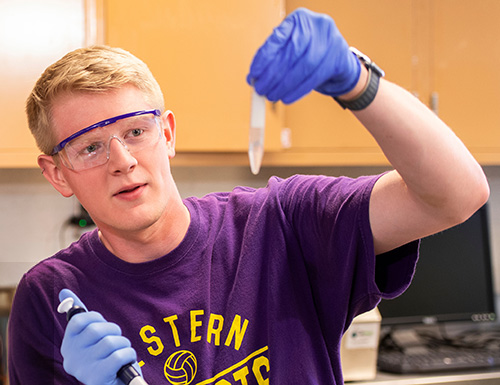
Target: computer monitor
453, 280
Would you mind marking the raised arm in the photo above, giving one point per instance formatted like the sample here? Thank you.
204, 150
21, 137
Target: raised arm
436, 182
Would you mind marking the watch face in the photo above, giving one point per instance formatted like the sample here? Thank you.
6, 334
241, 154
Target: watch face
367, 61
377, 69
360, 55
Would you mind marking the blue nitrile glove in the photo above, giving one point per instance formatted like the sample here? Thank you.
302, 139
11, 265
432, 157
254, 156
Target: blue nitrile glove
94, 349
305, 52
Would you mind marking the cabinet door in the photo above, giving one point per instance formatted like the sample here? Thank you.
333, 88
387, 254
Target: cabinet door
465, 78
200, 53
323, 133
33, 34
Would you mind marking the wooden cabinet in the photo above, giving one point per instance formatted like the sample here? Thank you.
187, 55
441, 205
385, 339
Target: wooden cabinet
200, 53
321, 133
33, 34
464, 75
443, 51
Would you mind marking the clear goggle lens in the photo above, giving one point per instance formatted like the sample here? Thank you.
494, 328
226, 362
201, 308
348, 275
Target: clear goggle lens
91, 149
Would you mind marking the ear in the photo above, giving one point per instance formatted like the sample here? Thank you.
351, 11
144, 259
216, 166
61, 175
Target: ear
52, 172
168, 126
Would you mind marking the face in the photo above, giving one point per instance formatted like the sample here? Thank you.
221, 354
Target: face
132, 191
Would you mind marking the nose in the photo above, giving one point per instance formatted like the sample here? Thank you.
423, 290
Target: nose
120, 160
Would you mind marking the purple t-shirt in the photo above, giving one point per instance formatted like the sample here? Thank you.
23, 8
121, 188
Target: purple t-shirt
259, 291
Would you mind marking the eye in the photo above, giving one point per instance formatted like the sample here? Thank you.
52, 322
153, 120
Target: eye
90, 149
136, 132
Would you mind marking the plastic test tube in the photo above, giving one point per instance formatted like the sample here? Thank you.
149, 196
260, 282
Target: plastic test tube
127, 373
257, 128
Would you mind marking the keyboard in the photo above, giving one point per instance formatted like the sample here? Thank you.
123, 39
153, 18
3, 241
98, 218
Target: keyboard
434, 360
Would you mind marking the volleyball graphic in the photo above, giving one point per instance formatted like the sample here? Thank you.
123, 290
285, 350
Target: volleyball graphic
181, 367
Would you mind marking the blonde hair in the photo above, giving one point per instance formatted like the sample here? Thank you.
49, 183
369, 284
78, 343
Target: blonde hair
93, 69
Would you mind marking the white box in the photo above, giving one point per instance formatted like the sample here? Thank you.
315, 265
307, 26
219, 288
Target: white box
359, 347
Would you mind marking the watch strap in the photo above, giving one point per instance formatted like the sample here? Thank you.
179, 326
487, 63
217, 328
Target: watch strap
366, 96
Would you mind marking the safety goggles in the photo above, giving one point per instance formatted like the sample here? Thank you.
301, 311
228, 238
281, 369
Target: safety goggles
89, 147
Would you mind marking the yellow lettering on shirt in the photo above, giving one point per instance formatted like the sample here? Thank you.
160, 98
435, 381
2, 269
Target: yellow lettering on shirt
236, 331
241, 375
195, 324
151, 340
215, 324
170, 320
258, 364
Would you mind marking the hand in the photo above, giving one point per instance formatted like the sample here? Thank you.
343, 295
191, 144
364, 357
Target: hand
94, 349
305, 52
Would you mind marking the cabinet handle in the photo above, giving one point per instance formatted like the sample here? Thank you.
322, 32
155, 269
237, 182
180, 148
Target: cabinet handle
434, 103
286, 138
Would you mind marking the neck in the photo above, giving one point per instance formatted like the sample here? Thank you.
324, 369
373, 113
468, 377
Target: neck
151, 243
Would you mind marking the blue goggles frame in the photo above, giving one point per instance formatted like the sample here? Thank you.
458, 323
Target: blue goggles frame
102, 123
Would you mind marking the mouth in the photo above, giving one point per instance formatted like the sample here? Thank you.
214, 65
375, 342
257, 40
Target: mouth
129, 190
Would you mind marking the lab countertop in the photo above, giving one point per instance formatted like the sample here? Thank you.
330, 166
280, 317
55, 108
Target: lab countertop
453, 378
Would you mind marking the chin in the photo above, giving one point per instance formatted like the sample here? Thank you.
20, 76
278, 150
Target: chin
132, 222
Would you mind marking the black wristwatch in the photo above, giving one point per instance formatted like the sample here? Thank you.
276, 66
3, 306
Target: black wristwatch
368, 94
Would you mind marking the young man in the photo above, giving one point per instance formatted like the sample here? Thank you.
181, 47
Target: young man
247, 287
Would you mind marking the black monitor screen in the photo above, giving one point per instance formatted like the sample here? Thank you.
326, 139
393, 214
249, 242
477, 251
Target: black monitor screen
453, 280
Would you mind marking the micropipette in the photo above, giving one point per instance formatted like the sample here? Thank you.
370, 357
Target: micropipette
127, 373
257, 128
